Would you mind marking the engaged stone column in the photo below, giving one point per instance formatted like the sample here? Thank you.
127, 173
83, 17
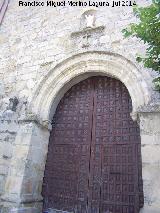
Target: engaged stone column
25, 177
150, 141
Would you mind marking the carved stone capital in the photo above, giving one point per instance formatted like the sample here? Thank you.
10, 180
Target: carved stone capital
32, 118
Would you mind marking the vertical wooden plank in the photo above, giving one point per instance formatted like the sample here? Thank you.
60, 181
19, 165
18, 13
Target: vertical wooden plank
118, 135
67, 167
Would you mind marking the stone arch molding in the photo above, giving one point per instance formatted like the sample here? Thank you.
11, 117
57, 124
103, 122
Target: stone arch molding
78, 67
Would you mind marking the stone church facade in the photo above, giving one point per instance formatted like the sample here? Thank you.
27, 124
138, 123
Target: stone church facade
44, 51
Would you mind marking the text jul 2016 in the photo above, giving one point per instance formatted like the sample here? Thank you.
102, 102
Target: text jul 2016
76, 3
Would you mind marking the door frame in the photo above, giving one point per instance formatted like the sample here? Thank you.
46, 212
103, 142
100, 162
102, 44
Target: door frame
23, 186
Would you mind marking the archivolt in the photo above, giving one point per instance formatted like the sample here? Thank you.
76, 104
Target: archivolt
61, 77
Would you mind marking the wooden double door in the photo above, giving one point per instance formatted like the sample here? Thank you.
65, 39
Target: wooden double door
94, 157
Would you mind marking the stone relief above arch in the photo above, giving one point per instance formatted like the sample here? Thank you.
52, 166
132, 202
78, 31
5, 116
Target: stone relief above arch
63, 76
88, 19
89, 32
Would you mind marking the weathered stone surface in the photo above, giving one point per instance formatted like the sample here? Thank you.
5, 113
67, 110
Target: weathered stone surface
44, 51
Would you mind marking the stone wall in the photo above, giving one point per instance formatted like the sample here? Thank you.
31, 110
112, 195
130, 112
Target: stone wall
33, 39
39, 44
150, 140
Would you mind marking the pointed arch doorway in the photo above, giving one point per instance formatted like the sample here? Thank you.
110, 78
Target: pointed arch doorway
94, 156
